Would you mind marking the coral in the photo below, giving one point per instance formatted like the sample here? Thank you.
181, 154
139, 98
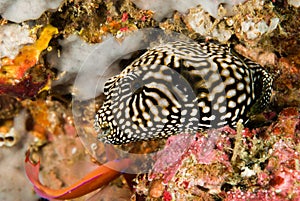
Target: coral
249, 22
254, 21
47, 118
285, 39
200, 22
260, 164
12, 38
260, 56
39, 64
287, 85
254, 30
83, 17
13, 77
26, 88
8, 136
295, 3
182, 146
9, 107
287, 123
118, 27
141, 18
198, 19
188, 163
93, 20
13, 70
166, 8
280, 180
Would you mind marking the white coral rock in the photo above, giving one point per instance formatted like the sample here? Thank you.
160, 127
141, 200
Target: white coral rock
23, 10
12, 38
165, 8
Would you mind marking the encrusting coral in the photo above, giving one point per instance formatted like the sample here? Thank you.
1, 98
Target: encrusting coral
265, 164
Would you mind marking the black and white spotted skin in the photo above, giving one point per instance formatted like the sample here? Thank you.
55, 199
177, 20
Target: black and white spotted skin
181, 87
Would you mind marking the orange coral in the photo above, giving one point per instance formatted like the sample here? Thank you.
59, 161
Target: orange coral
115, 26
13, 70
46, 116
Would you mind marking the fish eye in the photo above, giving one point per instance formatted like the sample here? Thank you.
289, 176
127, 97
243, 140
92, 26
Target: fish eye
137, 86
105, 129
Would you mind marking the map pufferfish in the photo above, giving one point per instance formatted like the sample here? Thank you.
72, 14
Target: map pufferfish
181, 87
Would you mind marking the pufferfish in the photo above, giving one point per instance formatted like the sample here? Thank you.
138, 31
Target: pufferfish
181, 87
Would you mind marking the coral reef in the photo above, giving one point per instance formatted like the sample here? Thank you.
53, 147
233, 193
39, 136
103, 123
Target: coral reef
169, 6
55, 57
258, 164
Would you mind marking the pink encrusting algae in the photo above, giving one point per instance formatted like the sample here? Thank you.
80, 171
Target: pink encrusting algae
201, 165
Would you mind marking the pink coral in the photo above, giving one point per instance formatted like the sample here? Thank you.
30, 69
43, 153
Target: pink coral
201, 164
167, 196
280, 178
180, 147
261, 195
287, 124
